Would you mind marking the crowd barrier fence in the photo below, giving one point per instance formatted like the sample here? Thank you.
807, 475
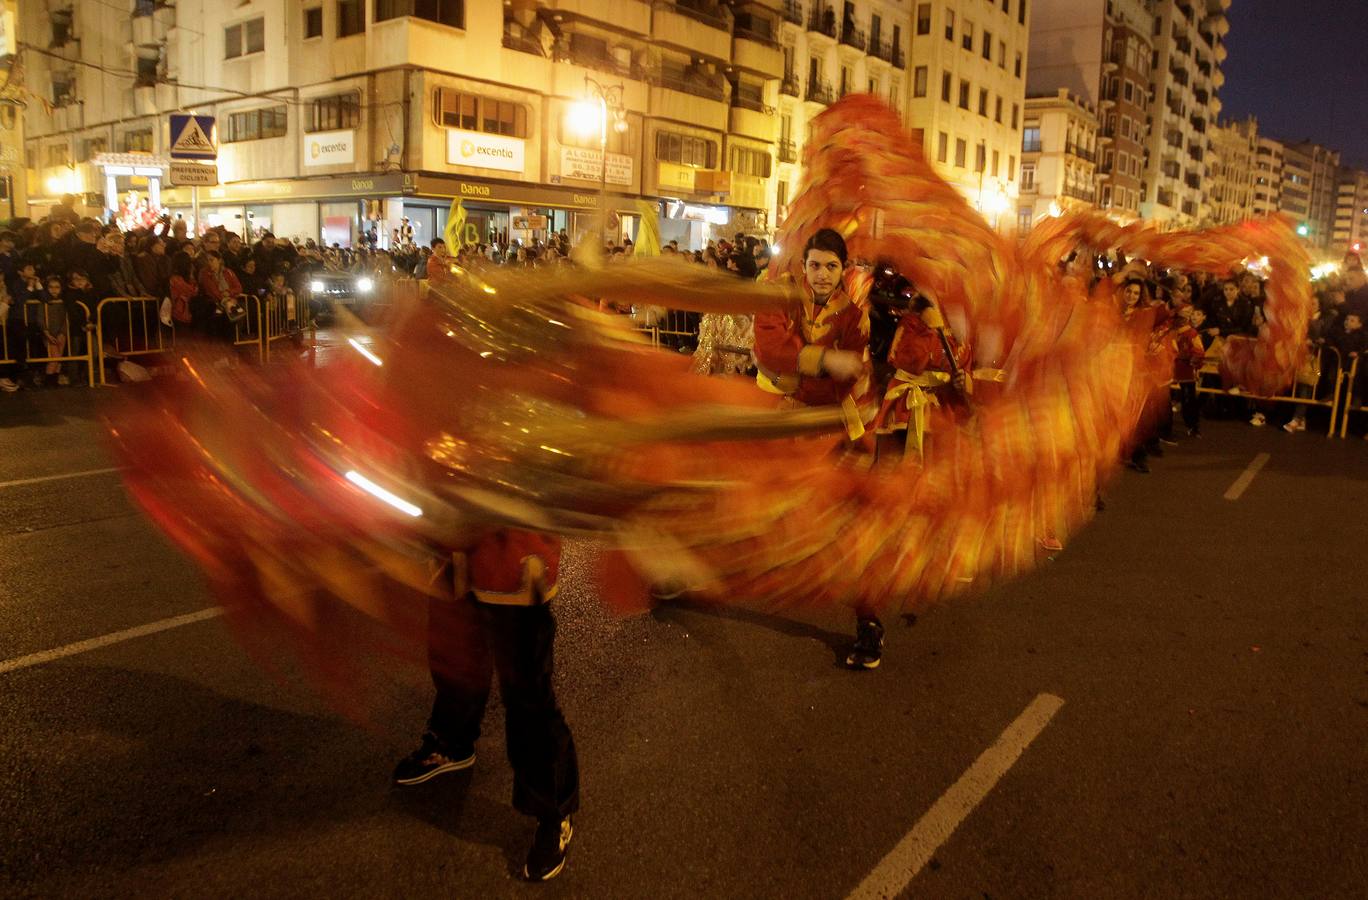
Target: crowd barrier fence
33, 333
146, 334
1318, 393
1352, 397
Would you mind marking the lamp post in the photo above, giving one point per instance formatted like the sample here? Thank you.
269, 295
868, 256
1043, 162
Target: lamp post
592, 113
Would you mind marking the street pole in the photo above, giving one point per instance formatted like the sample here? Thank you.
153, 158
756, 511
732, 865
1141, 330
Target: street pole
603, 160
194, 210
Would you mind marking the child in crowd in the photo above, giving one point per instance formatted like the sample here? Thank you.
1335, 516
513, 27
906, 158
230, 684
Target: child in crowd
53, 327
1187, 364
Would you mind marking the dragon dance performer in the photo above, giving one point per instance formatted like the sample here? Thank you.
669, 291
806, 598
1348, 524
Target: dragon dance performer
493, 614
931, 372
817, 354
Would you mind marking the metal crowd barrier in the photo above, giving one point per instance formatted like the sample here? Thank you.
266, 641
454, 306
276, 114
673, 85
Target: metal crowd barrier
1351, 397
146, 334
1320, 394
671, 328
33, 333
284, 323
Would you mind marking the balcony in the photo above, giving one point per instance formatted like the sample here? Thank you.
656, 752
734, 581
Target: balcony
853, 37
820, 92
881, 49
822, 21
1080, 152
523, 44
788, 152
709, 12
1202, 96
1180, 76
899, 59
1164, 198
790, 85
597, 62
1079, 194
686, 84
760, 124
758, 53
1199, 124
793, 12
1193, 182
690, 28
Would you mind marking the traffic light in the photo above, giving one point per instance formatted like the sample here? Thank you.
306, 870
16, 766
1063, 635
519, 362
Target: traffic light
1303, 229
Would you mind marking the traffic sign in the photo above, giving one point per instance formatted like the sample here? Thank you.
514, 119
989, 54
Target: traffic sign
192, 137
194, 174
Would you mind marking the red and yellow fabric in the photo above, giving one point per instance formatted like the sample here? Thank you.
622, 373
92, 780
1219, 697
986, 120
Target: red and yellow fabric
509, 567
789, 346
1189, 354
923, 378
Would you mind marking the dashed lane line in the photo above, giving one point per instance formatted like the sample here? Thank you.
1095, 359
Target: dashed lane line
1247, 477
128, 634
896, 871
41, 479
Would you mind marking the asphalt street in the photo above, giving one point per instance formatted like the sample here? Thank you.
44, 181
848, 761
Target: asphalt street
1211, 656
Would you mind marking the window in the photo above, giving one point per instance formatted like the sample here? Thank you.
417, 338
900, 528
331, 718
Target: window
1002, 55
1024, 219
684, 150
919, 79
255, 124
454, 109
980, 157
56, 155
138, 141
1021, 13
997, 158
961, 148
313, 22
964, 94
445, 12
335, 112
943, 148
782, 198
1028, 176
987, 45
1011, 167
244, 38
1030, 139
1129, 92
745, 161
950, 25
983, 102
967, 38
945, 87
895, 94
148, 70
1005, 4
923, 18
351, 17
997, 110
91, 147
1016, 116
1018, 65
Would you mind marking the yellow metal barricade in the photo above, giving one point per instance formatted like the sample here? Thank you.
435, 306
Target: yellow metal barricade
284, 322
1353, 402
37, 319
1327, 396
146, 335
250, 331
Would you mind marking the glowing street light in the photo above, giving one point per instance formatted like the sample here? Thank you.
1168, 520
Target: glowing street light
591, 116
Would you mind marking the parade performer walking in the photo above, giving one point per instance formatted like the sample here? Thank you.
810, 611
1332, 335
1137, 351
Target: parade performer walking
931, 372
817, 354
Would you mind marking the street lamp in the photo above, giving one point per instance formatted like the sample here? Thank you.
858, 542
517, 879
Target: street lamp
590, 115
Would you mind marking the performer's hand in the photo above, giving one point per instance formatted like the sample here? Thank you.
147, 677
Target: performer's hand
843, 365
960, 381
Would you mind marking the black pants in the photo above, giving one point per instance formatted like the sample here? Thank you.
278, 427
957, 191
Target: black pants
467, 643
1191, 405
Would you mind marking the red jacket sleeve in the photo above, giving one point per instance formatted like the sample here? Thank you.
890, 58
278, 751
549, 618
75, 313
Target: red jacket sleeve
914, 345
777, 343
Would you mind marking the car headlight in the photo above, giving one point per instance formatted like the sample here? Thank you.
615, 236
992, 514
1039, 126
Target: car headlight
316, 287
364, 285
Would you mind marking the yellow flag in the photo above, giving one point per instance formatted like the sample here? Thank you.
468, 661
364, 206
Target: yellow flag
648, 236
455, 225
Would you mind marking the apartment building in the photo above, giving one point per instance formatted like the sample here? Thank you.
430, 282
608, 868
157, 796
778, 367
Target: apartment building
13, 178
336, 117
1234, 151
1268, 173
1309, 191
1101, 51
1058, 158
830, 50
1351, 212
1188, 52
967, 96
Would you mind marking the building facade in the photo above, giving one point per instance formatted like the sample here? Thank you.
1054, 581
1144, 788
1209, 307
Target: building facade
967, 96
1268, 173
1351, 212
1101, 52
1058, 158
830, 50
1188, 52
1234, 152
337, 118
13, 176
1309, 191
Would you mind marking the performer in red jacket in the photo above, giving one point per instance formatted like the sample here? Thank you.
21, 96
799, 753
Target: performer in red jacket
817, 354
927, 377
493, 614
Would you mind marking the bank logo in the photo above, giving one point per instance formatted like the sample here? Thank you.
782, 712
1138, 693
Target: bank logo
467, 149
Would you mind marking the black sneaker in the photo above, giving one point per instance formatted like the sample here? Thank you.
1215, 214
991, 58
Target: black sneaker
868, 650
546, 857
432, 758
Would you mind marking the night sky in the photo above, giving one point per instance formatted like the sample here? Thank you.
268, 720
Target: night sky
1301, 67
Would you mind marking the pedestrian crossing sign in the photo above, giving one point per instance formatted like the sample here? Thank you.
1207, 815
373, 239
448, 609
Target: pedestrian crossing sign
192, 137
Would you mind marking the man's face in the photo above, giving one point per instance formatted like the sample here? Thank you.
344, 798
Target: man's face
268, 242
1250, 285
1197, 318
28, 271
822, 269
1230, 290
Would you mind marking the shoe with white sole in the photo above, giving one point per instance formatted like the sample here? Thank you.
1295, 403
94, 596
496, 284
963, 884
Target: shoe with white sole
546, 857
432, 758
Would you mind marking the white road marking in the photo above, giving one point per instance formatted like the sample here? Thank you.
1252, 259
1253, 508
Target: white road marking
46, 656
1247, 477
40, 480
895, 872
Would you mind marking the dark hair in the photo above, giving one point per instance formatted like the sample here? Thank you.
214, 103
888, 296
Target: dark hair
828, 241
74, 272
51, 278
183, 265
745, 265
435, 242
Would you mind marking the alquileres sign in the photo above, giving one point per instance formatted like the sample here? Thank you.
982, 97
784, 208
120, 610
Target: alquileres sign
484, 151
330, 148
